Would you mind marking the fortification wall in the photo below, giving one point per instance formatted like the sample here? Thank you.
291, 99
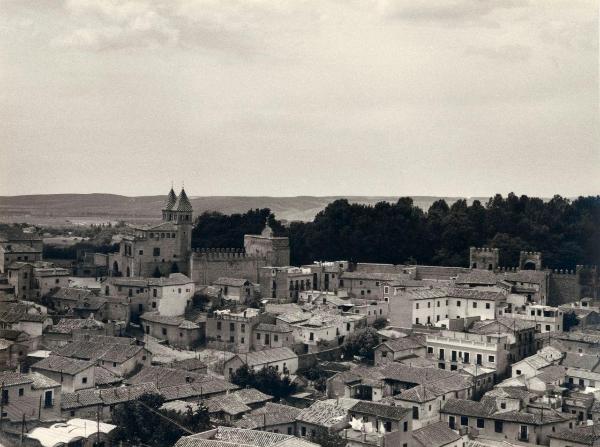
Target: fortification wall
207, 265
564, 287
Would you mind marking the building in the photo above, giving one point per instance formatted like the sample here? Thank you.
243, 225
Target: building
272, 417
232, 331
384, 418
330, 415
545, 318
170, 296
437, 435
399, 348
165, 247
71, 374
72, 432
283, 360
30, 396
175, 330
268, 336
436, 306
235, 289
580, 436
369, 285
11, 252
229, 436
284, 284
529, 426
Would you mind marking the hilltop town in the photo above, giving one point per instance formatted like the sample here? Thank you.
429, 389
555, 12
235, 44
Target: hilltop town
159, 343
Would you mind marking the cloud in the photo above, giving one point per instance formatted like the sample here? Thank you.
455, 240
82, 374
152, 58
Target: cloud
445, 11
507, 53
227, 25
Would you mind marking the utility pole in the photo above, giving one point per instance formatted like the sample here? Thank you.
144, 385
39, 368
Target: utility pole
98, 425
1, 404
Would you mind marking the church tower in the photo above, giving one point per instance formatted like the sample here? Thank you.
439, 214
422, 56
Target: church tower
166, 212
180, 214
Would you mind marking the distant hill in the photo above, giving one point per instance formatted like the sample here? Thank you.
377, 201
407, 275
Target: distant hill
85, 208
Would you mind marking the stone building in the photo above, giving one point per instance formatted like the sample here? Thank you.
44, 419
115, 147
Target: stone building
166, 246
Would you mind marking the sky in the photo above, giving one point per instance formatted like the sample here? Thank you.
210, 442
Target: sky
293, 97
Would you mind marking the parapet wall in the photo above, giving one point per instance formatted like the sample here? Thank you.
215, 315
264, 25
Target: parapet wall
208, 265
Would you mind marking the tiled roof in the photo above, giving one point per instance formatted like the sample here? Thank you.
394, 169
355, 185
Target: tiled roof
71, 293
231, 437
15, 247
380, 410
435, 435
231, 282
402, 344
530, 276
89, 350
68, 325
427, 294
41, 382
228, 404
11, 378
477, 277
182, 203
580, 361
475, 294
374, 276
257, 358
270, 414
252, 396
171, 199
105, 377
551, 373
324, 413
280, 328
501, 325
586, 435
179, 321
15, 312
65, 365
189, 364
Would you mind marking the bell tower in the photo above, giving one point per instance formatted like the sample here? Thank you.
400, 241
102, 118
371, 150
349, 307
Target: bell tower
181, 215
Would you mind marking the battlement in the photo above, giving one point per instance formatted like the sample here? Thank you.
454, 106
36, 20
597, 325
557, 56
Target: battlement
484, 249
220, 253
564, 272
532, 253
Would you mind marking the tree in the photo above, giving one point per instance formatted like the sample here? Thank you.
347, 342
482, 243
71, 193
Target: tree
267, 379
141, 421
325, 438
362, 343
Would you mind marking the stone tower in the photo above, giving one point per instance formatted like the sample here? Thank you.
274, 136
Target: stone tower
530, 260
275, 250
484, 258
180, 213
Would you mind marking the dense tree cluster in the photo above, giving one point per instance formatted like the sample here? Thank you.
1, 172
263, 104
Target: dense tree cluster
141, 422
268, 380
362, 343
567, 232
216, 230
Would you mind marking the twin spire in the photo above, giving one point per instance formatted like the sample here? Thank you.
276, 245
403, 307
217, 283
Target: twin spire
181, 203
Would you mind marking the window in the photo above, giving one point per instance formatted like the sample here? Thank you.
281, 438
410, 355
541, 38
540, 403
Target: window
218, 325
503, 405
242, 340
480, 423
384, 354
518, 371
498, 426
303, 431
156, 251
164, 331
464, 420
154, 304
452, 422
487, 305
547, 328
428, 305
289, 430
84, 380
474, 305
258, 335
275, 337
386, 289
438, 304
415, 412
429, 349
523, 433
21, 391
458, 304
405, 426
491, 359
416, 321
231, 339
114, 364
416, 305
